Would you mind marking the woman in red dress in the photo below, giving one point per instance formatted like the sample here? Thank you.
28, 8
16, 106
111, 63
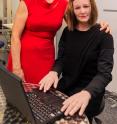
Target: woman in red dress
32, 43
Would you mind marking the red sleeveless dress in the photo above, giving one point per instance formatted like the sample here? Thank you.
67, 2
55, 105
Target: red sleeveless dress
37, 40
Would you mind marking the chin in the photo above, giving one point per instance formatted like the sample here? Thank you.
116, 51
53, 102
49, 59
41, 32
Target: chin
84, 20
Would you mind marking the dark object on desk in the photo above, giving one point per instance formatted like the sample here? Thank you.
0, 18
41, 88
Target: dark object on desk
38, 107
0, 24
1, 46
13, 116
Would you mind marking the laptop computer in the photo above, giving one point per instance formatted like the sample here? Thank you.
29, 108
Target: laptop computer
38, 107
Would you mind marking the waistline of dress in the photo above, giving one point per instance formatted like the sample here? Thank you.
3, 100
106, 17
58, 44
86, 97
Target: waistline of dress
44, 35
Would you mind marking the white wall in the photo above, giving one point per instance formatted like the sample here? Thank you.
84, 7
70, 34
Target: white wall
8, 8
9, 11
1, 9
14, 6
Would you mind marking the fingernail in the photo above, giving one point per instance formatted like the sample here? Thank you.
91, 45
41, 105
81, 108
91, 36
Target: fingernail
80, 114
66, 114
70, 114
62, 110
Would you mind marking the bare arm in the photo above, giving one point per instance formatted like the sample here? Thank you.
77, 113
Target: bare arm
18, 27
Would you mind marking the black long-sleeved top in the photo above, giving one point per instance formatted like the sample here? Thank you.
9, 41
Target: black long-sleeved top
85, 59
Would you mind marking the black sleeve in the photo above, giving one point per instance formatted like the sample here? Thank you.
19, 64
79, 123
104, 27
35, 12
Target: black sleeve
105, 65
58, 65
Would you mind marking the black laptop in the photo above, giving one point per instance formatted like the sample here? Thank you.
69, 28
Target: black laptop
38, 107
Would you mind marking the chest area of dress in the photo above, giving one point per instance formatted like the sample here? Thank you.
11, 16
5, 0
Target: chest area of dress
45, 18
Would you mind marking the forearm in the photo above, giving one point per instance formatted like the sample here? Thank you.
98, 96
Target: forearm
57, 67
15, 52
104, 66
18, 28
97, 85
103, 77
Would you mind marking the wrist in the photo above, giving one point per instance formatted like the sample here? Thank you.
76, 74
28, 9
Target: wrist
16, 68
54, 72
86, 92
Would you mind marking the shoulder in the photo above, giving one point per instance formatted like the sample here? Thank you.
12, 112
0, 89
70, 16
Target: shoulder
103, 38
63, 4
27, 2
105, 35
65, 1
22, 8
65, 30
102, 33
107, 40
96, 28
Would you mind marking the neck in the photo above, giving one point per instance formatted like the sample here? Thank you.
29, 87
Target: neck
49, 1
83, 26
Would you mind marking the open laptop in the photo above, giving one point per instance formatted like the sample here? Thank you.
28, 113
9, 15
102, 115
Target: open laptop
38, 107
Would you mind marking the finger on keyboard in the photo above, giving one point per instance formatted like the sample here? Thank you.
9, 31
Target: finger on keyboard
29, 86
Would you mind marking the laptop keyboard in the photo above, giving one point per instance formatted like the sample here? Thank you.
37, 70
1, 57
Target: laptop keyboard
46, 106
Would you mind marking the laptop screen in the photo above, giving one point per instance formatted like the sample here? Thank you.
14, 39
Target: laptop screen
14, 93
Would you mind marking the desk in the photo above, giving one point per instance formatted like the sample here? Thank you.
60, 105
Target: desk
6, 31
5, 111
10, 25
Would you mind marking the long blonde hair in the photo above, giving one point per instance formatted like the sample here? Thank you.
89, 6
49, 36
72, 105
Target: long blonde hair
70, 17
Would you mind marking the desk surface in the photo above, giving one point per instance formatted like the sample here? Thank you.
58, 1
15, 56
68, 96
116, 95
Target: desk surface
10, 25
6, 109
